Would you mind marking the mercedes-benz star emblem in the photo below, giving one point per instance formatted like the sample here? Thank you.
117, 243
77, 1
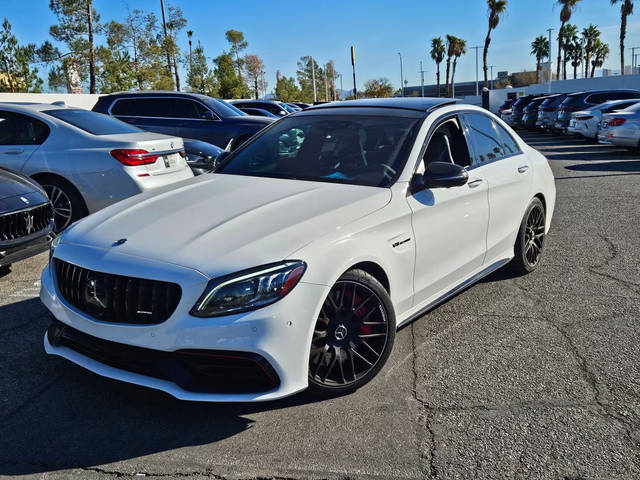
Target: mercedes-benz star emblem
29, 221
171, 145
118, 242
341, 332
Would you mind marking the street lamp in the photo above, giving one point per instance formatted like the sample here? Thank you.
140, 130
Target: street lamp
550, 47
477, 80
401, 75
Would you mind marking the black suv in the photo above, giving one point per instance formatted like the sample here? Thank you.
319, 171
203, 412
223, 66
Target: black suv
583, 100
188, 115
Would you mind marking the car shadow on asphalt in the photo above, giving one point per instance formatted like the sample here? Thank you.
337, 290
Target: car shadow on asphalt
614, 166
56, 415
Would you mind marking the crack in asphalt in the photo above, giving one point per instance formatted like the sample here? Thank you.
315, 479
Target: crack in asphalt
614, 253
427, 414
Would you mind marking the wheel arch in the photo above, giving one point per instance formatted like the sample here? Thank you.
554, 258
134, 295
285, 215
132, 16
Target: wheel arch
540, 196
375, 270
43, 176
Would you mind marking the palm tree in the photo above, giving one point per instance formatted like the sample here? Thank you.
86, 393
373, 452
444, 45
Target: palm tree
589, 37
451, 41
575, 55
459, 50
438, 51
600, 53
569, 35
626, 9
568, 6
540, 48
496, 10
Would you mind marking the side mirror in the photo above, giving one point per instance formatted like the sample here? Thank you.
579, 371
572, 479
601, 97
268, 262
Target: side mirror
208, 115
439, 175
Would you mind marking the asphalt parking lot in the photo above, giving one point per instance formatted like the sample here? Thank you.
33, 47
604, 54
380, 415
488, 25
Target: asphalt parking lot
530, 377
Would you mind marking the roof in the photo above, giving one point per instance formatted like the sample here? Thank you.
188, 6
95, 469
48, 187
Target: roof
419, 104
34, 106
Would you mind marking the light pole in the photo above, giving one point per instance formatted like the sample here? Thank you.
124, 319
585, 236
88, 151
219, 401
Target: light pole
477, 81
401, 75
550, 48
341, 89
633, 59
353, 66
313, 79
422, 71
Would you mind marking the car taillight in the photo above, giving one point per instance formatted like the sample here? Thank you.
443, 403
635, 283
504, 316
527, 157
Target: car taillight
134, 157
182, 153
616, 122
586, 117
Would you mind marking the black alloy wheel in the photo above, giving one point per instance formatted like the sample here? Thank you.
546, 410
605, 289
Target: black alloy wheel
353, 335
530, 240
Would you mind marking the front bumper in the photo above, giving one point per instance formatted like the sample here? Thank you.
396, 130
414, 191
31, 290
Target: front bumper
280, 334
25, 249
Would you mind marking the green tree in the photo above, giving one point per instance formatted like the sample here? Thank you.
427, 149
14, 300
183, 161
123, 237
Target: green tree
229, 84
438, 51
496, 9
16, 73
569, 36
451, 45
626, 9
567, 9
304, 74
460, 48
540, 49
116, 72
378, 88
575, 55
238, 44
600, 53
287, 90
590, 35
200, 78
77, 20
175, 24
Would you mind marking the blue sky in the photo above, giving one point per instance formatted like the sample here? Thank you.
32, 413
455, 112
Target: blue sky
281, 31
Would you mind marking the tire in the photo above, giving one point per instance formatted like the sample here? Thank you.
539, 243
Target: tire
530, 240
351, 342
68, 205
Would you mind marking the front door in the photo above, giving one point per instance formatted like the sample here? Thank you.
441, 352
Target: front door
449, 224
20, 136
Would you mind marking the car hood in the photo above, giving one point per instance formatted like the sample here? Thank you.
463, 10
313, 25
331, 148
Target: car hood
219, 224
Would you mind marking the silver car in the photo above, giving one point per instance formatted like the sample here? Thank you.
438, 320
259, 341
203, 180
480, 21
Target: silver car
621, 128
85, 160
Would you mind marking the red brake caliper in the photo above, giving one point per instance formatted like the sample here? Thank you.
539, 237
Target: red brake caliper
364, 329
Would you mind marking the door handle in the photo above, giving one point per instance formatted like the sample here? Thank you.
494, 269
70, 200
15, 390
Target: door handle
523, 169
13, 152
475, 183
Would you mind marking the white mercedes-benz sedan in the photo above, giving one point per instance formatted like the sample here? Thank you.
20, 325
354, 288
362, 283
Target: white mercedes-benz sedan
293, 265
84, 160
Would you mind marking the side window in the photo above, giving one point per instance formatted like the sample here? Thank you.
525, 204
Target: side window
18, 129
597, 98
448, 144
183, 108
485, 138
510, 145
139, 107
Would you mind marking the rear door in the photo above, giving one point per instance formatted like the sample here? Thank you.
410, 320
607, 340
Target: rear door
153, 114
508, 174
20, 136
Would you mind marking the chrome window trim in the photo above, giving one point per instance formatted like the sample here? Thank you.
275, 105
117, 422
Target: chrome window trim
216, 119
476, 164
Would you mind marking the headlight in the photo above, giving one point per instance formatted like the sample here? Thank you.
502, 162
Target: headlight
54, 244
249, 289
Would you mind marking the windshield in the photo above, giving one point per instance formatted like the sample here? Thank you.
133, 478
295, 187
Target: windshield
92, 122
225, 109
355, 149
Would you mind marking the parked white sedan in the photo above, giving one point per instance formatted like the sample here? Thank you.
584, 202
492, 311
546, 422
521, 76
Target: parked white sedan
586, 122
85, 160
312, 243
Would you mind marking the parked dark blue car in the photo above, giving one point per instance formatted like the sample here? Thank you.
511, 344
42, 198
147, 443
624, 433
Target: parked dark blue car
182, 114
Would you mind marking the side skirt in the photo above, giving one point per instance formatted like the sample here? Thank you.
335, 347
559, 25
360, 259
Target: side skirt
455, 290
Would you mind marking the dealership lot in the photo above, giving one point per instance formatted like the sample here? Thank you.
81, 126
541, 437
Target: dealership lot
531, 377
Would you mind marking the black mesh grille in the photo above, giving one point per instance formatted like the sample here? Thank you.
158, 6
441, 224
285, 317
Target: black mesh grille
14, 226
116, 298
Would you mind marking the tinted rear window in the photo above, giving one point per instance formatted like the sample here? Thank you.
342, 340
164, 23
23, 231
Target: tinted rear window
92, 122
570, 101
